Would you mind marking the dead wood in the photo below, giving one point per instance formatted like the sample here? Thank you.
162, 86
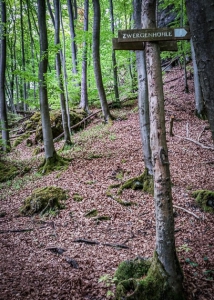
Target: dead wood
197, 143
189, 212
16, 230
56, 250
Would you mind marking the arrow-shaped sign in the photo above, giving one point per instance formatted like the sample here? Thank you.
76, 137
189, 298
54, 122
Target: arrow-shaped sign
156, 34
180, 32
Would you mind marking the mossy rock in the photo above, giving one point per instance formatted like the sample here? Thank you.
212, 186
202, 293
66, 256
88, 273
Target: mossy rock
144, 280
144, 182
7, 171
56, 122
205, 200
44, 201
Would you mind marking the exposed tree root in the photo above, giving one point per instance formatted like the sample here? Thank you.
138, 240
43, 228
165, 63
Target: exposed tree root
143, 279
53, 164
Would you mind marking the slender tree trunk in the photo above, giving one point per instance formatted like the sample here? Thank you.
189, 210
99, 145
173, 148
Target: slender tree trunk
96, 60
165, 241
63, 60
114, 61
72, 33
59, 74
84, 88
200, 14
199, 101
23, 55
3, 107
43, 95
143, 99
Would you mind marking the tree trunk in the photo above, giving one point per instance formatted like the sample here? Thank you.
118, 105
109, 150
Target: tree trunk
200, 14
23, 55
114, 61
59, 75
143, 99
199, 101
3, 108
96, 60
84, 91
43, 95
165, 241
72, 33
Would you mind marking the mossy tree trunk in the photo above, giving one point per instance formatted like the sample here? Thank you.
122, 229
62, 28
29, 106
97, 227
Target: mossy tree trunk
165, 241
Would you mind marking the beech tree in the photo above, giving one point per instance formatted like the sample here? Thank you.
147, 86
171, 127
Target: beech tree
96, 60
165, 250
200, 13
143, 100
3, 107
60, 75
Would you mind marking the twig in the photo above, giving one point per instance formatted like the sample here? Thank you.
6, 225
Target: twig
197, 143
86, 241
116, 245
199, 136
16, 230
187, 211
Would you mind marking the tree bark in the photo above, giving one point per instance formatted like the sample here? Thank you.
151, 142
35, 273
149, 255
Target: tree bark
165, 241
96, 60
143, 99
199, 101
43, 95
84, 90
3, 107
114, 61
200, 14
59, 75
72, 33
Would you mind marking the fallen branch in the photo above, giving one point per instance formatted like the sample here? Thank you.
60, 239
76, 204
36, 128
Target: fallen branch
91, 115
197, 143
98, 243
189, 212
16, 230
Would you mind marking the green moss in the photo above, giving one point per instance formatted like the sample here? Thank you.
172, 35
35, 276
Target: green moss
77, 197
204, 199
20, 139
44, 201
92, 213
144, 280
55, 163
144, 182
7, 171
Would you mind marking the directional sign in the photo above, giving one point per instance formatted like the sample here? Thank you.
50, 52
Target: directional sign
156, 34
164, 45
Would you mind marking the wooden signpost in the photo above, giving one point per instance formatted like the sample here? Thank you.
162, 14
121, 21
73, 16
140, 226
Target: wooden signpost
134, 39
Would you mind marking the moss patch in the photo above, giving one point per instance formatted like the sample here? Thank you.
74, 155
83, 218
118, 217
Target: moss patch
55, 163
44, 201
20, 139
144, 182
92, 213
144, 280
7, 171
77, 197
204, 199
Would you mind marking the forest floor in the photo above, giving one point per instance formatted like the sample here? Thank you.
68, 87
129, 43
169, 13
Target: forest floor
104, 155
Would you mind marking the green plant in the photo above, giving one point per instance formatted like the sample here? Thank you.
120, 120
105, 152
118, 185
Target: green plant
191, 263
112, 137
209, 274
109, 282
184, 247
